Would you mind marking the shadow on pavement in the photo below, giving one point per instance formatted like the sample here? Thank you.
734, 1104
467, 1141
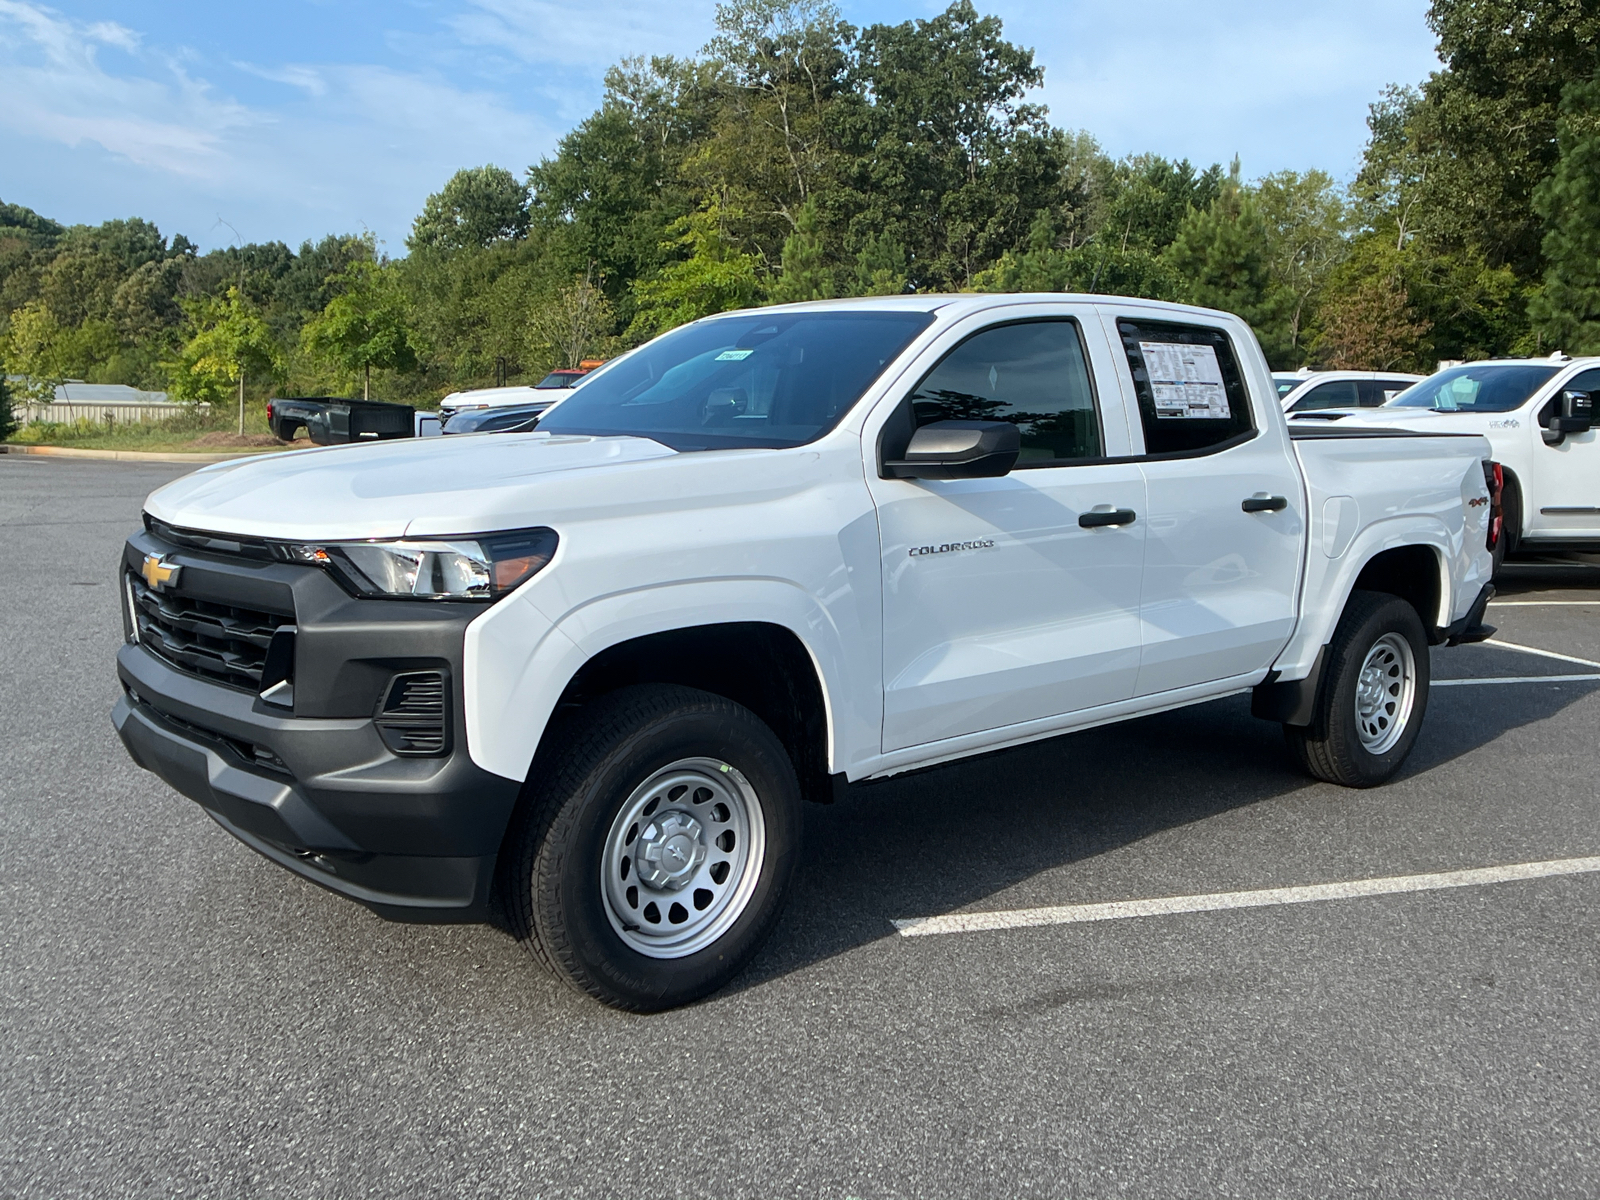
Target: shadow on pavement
954, 835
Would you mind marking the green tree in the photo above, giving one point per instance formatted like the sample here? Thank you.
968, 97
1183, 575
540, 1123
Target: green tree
34, 351
1306, 221
364, 326
1567, 310
769, 151
938, 148
8, 420
230, 343
574, 324
880, 267
805, 274
1371, 328
479, 206
1490, 133
714, 278
1220, 253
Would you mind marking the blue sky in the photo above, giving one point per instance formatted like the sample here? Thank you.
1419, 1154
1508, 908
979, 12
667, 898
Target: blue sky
301, 117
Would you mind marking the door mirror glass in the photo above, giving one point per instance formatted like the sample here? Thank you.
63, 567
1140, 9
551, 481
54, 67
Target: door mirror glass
959, 450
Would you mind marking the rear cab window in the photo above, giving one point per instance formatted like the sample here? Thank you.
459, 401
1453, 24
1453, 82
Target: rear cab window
1190, 390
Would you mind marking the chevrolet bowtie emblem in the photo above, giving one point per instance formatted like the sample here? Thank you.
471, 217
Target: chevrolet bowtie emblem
157, 573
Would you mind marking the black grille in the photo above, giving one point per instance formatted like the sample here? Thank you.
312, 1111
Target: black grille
221, 642
411, 718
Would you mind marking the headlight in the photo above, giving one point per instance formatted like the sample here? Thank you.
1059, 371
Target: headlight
455, 568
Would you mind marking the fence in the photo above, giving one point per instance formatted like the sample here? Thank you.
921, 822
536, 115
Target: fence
106, 412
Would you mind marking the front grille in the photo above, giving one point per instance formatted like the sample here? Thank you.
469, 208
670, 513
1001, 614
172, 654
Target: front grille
220, 642
411, 718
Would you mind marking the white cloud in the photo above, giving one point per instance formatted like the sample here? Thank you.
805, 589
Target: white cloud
349, 146
52, 85
584, 37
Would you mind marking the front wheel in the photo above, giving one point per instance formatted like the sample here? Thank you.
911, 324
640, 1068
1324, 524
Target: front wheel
652, 858
1373, 695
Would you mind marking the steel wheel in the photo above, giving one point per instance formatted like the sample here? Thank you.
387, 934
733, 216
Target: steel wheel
682, 858
1386, 690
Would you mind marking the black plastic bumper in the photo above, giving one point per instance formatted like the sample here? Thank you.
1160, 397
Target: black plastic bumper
317, 789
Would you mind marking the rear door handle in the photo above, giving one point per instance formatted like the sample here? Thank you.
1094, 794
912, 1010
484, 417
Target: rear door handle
1264, 504
1096, 518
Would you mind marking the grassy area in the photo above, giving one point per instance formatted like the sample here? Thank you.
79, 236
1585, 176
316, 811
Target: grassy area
193, 432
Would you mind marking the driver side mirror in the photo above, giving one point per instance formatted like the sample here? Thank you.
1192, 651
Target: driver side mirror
1575, 415
958, 450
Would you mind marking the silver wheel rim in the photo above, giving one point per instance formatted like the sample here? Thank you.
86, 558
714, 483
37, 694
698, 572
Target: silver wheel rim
683, 858
1386, 688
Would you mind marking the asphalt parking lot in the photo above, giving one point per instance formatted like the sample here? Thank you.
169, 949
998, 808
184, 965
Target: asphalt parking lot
183, 1018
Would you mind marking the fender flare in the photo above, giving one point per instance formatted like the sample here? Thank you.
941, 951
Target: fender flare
510, 691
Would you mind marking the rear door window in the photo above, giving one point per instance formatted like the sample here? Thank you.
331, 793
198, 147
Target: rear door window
1339, 393
1192, 395
1033, 374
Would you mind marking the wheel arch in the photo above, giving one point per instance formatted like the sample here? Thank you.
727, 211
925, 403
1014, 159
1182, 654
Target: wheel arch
521, 666
1417, 573
762, 665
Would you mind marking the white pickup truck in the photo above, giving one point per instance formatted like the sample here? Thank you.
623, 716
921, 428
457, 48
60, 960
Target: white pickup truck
582, 678
1538, 415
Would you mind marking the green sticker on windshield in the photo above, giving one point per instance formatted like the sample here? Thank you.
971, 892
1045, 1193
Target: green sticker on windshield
734, 355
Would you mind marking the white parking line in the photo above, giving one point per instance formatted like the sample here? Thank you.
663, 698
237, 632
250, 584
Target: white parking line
1582, 662
1515, 679
1116, 910
1543, 603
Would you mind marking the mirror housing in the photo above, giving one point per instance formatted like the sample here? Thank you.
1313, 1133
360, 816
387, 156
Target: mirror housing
1574, 415
958, 450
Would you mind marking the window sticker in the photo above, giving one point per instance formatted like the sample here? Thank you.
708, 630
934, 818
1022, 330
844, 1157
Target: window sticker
734, 355
1186, 381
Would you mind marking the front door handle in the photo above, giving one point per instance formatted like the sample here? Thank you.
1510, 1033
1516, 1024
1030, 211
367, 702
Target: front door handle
1264, 504
1098, 517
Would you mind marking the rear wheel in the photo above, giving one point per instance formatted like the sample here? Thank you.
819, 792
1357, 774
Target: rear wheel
655, 851
1373, 696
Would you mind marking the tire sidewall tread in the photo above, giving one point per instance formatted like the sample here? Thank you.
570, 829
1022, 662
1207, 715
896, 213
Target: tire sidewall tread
1330, 747
596, 757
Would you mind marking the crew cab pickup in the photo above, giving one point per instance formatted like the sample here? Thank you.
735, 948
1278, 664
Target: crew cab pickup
583, 678
1539, 417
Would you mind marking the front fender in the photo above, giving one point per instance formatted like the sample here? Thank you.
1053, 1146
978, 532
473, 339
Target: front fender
518, 665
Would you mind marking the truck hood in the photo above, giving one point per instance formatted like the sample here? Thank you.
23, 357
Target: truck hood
388, 489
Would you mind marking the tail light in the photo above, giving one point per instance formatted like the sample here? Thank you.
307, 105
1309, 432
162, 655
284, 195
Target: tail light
1494, 477
269, 410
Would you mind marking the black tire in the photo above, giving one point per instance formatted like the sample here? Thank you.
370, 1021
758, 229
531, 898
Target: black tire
553, 882
1333, 747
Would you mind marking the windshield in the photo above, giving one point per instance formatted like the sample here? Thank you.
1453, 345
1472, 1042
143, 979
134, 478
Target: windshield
758, 380
559, 379
1287, 383
1482, 387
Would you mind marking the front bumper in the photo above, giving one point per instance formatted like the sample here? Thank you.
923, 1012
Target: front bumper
414, 838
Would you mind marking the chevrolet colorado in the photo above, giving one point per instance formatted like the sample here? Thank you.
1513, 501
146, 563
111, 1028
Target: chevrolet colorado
582, 679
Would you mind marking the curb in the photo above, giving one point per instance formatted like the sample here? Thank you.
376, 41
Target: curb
148, 456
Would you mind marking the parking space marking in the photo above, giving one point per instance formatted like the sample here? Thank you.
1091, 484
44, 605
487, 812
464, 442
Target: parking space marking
1515, 679
1543, 603
1116, 910
1582, 662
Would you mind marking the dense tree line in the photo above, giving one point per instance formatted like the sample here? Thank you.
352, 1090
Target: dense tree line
799, 157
